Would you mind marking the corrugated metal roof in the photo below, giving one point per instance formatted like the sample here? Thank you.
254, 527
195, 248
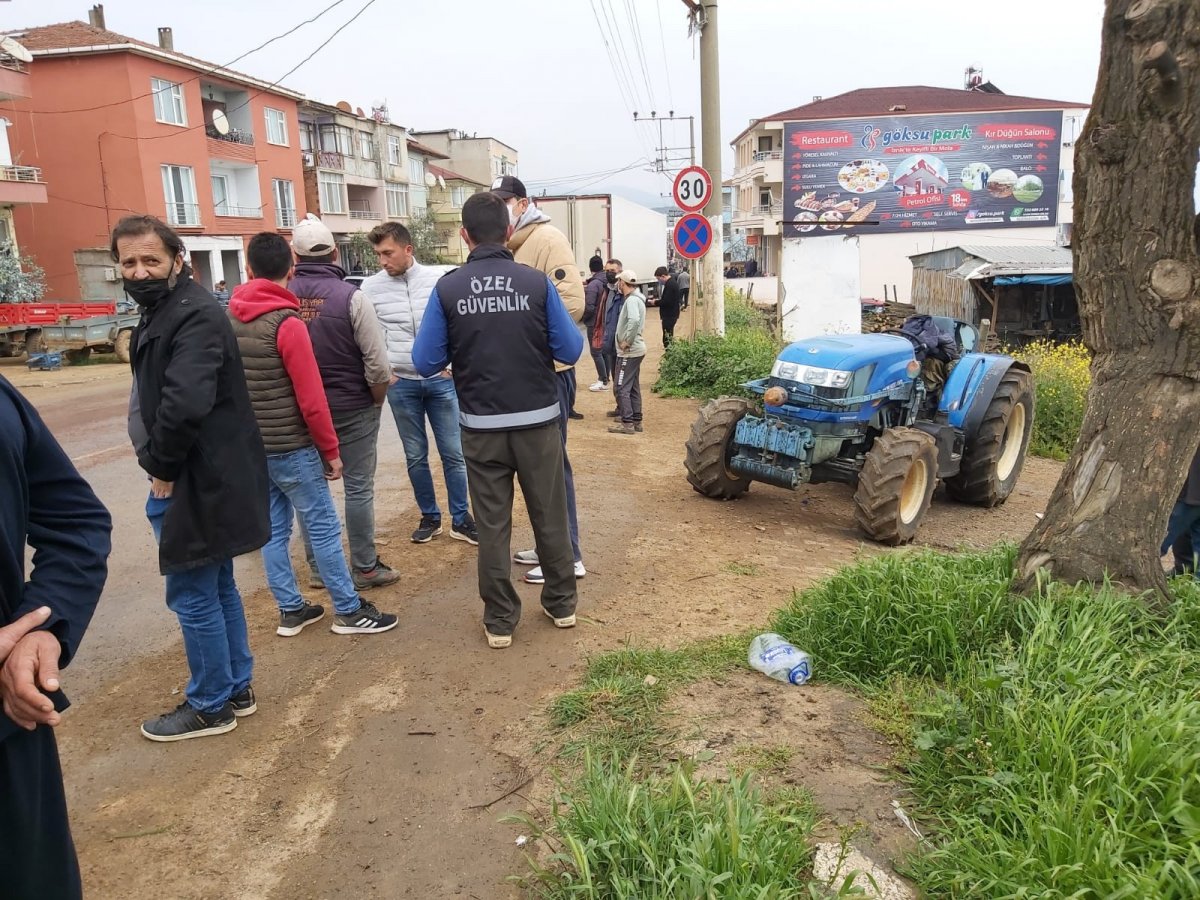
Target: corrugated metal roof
1004, 259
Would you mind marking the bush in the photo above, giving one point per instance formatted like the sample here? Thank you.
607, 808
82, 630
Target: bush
1062, 375
709, 366
1055, 740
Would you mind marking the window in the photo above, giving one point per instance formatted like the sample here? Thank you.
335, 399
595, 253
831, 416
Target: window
333, 192
418, 199
285, 203
458, 196
497, 167
394, 155
220, 189
168, 102
337, 139
277, 127
397, 200
764, 198
308, 136
366, 145
179, 191
508, 167
764, 144
416, 170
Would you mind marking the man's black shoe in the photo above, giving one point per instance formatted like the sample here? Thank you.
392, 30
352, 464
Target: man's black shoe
574, 415
185, 721
466, 531
427, 530
294, 621
244, 703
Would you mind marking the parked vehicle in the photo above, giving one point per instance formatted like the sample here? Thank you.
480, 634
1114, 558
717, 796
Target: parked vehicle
611, 227
855, 409
77, 328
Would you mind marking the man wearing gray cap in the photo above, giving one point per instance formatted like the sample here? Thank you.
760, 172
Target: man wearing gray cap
348, 343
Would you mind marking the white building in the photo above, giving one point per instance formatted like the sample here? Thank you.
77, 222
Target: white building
941, 144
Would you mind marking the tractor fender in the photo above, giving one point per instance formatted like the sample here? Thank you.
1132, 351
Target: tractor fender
970, 388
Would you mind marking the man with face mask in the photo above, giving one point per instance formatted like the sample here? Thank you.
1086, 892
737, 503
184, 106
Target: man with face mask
537, 243
612, 312
194, 434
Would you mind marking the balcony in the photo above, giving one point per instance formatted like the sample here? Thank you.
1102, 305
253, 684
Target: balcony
285, 218
323, 159
764, 155
238, 212
227, 147
14, 79
765, 165
233, 136
372, 215
22, 184
184, 215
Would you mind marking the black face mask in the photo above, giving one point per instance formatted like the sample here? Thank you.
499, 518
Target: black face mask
150, 291
610, 277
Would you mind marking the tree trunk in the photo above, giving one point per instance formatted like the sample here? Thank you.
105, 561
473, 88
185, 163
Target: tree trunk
1137, 276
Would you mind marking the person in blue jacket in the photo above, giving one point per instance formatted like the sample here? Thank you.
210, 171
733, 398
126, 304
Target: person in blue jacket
48, 506
501, 326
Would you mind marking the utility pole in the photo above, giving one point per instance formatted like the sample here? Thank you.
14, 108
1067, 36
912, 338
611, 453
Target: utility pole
711, 300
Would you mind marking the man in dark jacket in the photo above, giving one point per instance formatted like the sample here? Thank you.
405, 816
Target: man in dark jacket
193, 431
1183, 527
502, 326
51, 508
612, 312
348, 343
934, 348
595, 295
669, 300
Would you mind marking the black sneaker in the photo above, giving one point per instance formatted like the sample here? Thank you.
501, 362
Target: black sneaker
466, 531
427, 530
185, 721
364, 620
613, 413
574, 415
379, 576
293, 622
244, 704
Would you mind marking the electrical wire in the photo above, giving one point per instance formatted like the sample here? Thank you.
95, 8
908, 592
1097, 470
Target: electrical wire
214, 69
603, 177
631, 10
662, 36
565, 178
620, 76
626, 67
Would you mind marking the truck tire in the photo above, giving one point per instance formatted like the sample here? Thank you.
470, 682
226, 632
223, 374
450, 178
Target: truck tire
710, 448
121, 345
896, 485
34, 343
992, 461
78, 357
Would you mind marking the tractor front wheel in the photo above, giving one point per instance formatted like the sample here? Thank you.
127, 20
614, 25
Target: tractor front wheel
121, 345
993, 458
896, 485
711, 447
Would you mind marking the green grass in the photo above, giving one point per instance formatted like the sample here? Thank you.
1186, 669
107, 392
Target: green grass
1053, 742
709, 366
618, 834
746, 569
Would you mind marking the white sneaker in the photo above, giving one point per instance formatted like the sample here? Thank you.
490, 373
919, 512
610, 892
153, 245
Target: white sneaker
535, 576
526, 558
598, 386
564, 622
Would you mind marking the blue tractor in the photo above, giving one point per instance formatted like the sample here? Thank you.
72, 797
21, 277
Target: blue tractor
860, 410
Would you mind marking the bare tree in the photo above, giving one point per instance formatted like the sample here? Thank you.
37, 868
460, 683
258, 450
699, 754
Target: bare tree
1138, 277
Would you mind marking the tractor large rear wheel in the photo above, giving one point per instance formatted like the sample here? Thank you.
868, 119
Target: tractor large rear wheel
992, 461
122, 344
711, 446
896, 485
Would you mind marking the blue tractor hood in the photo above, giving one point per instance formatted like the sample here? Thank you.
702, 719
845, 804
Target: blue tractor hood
849, 353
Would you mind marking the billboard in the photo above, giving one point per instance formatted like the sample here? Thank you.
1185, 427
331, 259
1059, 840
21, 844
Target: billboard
921, 172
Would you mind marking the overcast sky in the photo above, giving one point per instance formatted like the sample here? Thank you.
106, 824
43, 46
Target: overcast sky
537, 75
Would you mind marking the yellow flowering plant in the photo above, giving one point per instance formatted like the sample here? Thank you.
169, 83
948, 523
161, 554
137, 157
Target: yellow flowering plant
1062, 376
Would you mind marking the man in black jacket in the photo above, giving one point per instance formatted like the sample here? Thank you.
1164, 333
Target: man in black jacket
195, 435
669, 299
595, 295
51, 508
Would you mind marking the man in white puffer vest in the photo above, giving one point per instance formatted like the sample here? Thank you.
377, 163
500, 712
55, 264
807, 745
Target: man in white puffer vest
400, 293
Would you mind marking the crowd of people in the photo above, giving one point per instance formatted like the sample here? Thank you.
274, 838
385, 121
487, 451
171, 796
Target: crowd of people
245, 405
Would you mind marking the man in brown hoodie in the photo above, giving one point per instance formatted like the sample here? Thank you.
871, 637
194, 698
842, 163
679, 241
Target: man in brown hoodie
537, 243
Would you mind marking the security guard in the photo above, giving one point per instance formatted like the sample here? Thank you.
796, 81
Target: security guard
501, 326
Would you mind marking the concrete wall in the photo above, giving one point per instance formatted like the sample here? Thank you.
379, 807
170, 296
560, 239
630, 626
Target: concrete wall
820, 291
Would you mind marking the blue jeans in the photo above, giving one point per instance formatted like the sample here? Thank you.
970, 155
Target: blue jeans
566, 403
1184, 520
412, 401
209, 608
298, 487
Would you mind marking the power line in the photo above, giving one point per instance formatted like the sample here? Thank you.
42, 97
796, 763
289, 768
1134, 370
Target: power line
662, 36
564, 178
620, 49
620, 72
630, 102
641, 48
214, 69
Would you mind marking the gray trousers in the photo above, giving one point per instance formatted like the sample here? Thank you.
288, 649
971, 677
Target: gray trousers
629, 389
358, 441
535, 457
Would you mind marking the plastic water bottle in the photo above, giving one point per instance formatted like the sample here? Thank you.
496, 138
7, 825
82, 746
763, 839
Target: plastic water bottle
773, 656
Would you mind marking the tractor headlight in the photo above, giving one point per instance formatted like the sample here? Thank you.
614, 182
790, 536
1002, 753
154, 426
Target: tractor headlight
811, 375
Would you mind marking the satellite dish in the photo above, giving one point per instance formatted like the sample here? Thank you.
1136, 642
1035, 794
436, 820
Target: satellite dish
220, 121
441, 182
430, 181
15, 50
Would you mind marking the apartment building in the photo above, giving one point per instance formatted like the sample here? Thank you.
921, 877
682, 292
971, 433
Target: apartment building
910, 167
122, 126
481, 159
20, 184
446, 201
357, 174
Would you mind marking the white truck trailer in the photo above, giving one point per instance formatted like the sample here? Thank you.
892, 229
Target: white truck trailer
611, 227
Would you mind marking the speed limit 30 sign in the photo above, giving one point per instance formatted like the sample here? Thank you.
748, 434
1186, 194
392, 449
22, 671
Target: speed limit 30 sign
693, 189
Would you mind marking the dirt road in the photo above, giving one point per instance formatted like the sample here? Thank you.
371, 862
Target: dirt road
369, 767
